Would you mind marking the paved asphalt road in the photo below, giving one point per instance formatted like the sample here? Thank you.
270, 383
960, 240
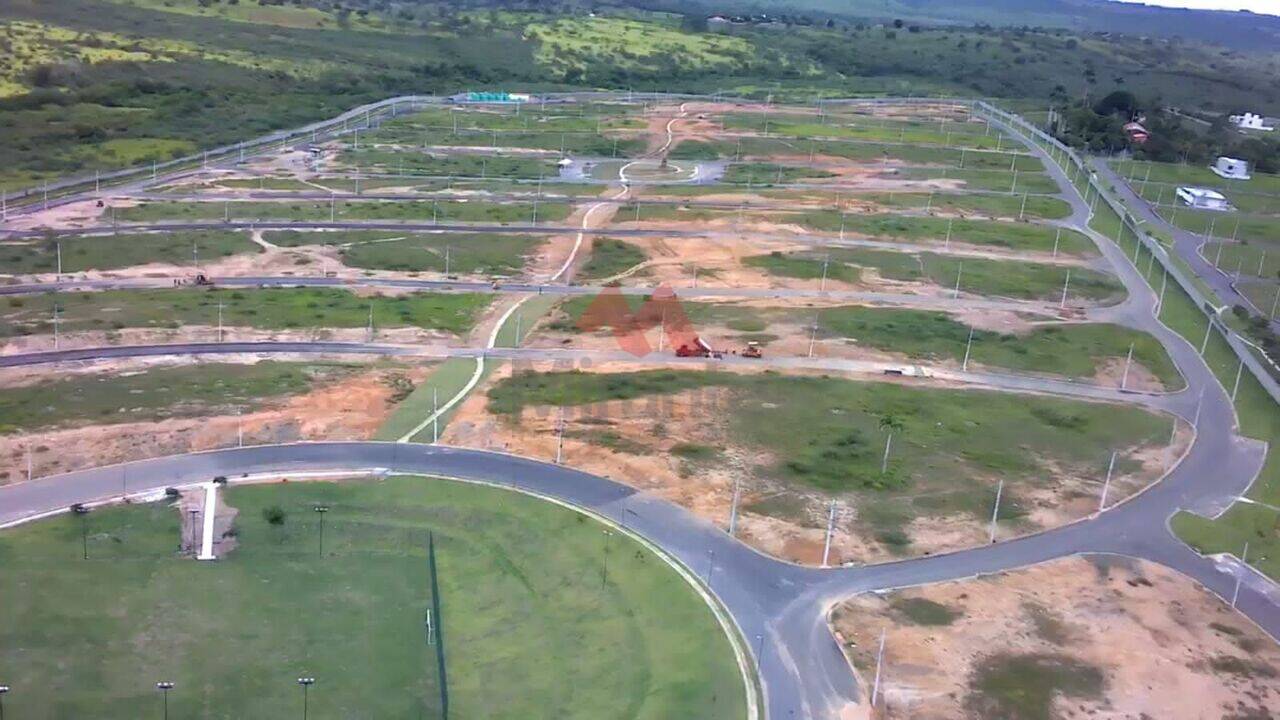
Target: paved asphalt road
1186, 244
801, 667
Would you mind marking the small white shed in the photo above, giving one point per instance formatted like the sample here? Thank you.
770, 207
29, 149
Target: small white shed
1203, 198
1231, 168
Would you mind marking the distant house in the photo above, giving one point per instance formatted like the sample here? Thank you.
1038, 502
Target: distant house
1251, 121
1137, 133
1231, 168
1203, 198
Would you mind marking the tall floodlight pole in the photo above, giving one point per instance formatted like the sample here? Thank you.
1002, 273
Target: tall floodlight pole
306, 683
164, 687
321, 510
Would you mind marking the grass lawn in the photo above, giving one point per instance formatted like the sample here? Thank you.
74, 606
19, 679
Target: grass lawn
476, 165
414, 210
914, 133
999, 206
588, 143
609, 257
998, 180
764, 149
109, 252
950, 446
996, 278
1028, 686
531, 623
483, 254
758, 173
157, 393
1241, 226
269, 309
449, 377
1177, 174
1071, 350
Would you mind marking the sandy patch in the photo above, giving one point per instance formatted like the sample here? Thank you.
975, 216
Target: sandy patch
350, 408
1159, 641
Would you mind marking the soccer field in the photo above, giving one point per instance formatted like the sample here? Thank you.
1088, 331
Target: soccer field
543, 614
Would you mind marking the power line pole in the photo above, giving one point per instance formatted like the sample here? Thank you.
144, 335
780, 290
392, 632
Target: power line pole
964, 366
733, 507
995, 511
875, 688
1124, 379
831, 522
1106, 484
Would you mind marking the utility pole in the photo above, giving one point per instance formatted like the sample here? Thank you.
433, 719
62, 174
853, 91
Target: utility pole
1235, 388
1124, 379
560, 437
733, 507
813, 335
875, 688
1244, 565
369, 330
219, 321
959, 270
1065, 285
1056, 239
831, 522
964, 366
995, 510
435, 415
1106, 484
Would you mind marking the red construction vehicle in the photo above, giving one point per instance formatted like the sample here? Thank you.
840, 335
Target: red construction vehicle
697, 348
752, 350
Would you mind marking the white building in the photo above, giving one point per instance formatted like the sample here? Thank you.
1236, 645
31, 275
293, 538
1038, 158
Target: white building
1251, 121
1203, 198
1231, 168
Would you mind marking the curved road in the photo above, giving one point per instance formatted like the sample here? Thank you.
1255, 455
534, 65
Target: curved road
803, 671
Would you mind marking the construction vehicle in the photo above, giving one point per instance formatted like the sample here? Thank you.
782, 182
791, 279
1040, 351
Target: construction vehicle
752, 350
202, 279
697, 348
908, 371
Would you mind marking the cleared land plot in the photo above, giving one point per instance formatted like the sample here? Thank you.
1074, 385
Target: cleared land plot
578, 143
319, 211
1071, 350
994, 206
949, 447
1076, 637
157, 394
519, 118
763, 149
111, 252
531, 620
465, 253
271, 309
476, 165
952, 135
996, 278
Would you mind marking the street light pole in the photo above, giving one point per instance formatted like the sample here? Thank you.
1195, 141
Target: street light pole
321, 509
306, 683
3, 689
164, 688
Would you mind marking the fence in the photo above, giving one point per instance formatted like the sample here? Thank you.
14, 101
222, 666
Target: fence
1055, 148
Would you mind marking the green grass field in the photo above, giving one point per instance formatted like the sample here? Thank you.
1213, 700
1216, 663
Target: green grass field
110, 252
609, 257
414, 210
1071, 350
457, 165
157, 394
762, 149
482, 254
950, 446
269, 309
542, 613
996, 278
